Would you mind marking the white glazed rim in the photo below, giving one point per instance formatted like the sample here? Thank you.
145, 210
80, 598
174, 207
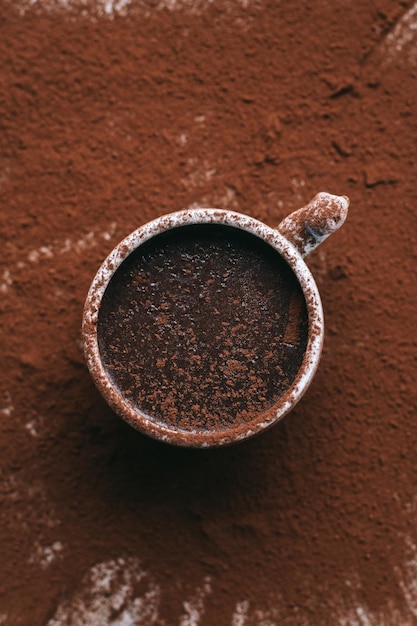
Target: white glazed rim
145, 423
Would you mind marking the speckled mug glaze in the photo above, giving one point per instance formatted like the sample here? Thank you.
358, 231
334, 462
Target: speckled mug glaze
295, 237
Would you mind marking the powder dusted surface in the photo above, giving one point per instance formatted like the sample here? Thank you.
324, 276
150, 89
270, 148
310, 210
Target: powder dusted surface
203, 328
112, 114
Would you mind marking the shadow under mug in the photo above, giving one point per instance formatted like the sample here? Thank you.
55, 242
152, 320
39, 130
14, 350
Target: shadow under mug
295, 237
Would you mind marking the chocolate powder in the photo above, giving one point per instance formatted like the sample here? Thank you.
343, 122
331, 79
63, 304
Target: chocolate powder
112, 114
203, 328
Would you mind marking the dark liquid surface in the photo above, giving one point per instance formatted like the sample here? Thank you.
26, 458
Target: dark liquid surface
203, 328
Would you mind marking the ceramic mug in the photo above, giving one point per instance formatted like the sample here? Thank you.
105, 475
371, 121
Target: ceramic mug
295, 237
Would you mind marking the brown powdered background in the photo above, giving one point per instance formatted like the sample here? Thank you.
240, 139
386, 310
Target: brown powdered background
111, 114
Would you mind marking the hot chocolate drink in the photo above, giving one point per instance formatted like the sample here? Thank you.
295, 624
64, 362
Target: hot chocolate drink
203, 327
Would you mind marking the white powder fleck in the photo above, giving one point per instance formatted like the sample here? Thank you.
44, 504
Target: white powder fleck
30, 426
228, 199
193, 6
68, 245
33, 256
103, 7
34, 426
297, 185
345, 609
113, 593
407, 577
44, 252
7, 408
85, 242
267, 617
6, 281
200, 174
350, 608
225, 200
348, 620
193, 206
110, 8
194, 608
65, 246
46, 555
240, 614
245, 616
363, 616
402, 39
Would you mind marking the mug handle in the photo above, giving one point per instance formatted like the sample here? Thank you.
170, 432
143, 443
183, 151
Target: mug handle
309, 226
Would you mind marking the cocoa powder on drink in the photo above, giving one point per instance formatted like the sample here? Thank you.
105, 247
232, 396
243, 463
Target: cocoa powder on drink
112, 114
203, 328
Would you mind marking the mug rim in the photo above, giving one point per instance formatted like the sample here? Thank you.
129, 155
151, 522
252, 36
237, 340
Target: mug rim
145, 423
